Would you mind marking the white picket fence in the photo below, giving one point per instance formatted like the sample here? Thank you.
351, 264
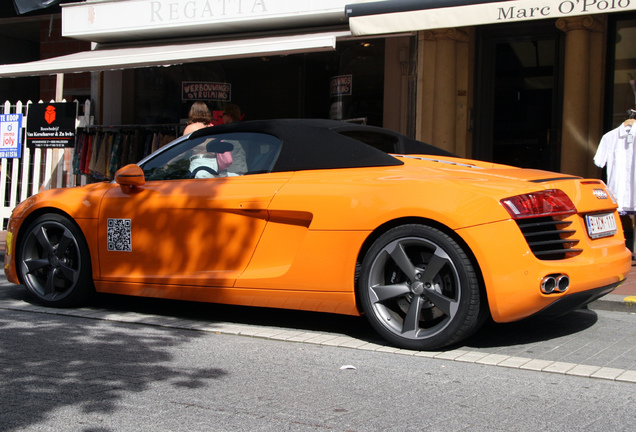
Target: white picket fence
36, 170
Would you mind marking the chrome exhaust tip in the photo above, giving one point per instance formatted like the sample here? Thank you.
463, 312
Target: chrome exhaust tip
558, 283
548, 284
562, 283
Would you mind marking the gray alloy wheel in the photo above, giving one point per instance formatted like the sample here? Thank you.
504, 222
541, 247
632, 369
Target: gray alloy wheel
418, 288
54, 263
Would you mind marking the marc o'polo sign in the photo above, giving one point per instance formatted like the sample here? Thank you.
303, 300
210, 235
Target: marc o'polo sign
51, 125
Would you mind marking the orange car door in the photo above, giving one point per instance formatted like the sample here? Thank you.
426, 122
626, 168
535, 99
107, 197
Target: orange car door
184, 232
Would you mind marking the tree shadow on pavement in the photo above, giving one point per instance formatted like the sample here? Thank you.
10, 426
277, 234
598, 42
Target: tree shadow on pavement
50, 363
353, 326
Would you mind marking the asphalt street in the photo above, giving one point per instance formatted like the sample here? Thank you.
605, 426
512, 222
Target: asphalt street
140, 364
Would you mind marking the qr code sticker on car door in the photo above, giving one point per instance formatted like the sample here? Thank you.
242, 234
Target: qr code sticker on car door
119, 235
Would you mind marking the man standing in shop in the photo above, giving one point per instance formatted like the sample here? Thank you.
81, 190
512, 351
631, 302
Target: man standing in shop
232, 114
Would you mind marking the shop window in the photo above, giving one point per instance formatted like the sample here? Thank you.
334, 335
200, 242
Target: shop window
624, 71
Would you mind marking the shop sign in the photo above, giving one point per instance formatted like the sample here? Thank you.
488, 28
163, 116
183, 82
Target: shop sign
101, 21
341, 85
51, 125
471, 13
213, 91
10, 135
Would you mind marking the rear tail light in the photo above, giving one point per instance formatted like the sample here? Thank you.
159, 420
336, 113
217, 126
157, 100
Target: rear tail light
551, 202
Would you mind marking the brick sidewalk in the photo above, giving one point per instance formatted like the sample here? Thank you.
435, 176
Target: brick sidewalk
628, 288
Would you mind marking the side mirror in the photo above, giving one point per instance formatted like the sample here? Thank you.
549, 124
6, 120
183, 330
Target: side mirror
130, 175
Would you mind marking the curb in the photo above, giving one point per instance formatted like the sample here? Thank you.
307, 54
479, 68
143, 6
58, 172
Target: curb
615, 303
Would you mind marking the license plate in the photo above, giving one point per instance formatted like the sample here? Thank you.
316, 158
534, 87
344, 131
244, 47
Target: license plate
600, 225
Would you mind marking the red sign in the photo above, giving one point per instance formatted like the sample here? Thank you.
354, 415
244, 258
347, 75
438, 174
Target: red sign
49, 114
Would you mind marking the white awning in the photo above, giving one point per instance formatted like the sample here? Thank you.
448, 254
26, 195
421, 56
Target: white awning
384, 17
106, 21
166, 55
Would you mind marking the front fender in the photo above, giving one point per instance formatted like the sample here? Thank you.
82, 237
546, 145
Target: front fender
79, 202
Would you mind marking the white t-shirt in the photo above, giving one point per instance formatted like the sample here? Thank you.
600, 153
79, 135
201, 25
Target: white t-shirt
209, 162
616, 149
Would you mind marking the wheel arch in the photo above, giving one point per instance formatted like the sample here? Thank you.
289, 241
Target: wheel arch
376, 233
26, 222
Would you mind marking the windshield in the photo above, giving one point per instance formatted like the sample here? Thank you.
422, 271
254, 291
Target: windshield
220, 155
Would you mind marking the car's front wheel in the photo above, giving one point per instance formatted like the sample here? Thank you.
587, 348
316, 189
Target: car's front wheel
418, 288
53, 262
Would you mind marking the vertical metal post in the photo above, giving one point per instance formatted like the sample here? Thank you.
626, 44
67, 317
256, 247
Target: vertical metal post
59, 88
412, 109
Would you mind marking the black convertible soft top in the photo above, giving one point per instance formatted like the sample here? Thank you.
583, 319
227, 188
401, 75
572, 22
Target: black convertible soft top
327, 144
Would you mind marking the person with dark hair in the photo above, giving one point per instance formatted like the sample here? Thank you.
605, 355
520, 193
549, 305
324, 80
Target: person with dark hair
198, 117
231, 113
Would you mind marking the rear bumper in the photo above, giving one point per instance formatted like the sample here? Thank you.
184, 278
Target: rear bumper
512, 275
574, 301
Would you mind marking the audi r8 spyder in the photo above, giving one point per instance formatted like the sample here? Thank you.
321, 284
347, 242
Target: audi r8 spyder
326, 216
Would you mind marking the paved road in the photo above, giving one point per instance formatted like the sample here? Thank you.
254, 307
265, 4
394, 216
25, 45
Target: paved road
138, 364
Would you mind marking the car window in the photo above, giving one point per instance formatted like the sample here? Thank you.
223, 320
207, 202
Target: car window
219, 155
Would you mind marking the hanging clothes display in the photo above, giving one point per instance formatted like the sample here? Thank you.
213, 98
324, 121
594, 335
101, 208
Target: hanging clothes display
101, 150
616, 150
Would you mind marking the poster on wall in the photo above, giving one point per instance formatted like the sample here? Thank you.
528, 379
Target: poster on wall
51, 125
206, 91
341, 85
217, 117
10, 135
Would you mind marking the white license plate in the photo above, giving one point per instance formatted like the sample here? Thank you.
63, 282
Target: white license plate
600, 225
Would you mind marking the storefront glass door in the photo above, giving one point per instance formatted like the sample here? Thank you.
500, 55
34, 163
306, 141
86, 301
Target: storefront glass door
518, 106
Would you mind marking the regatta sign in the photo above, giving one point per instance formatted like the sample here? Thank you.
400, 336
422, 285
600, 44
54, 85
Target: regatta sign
102, 21
191, 9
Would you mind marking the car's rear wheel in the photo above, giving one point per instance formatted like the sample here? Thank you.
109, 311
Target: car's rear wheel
418, 288
54, 262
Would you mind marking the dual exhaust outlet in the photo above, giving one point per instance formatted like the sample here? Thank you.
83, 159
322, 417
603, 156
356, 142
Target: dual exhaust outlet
555, 283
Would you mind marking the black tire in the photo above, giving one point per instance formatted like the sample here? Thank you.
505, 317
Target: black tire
418, 288
54, 263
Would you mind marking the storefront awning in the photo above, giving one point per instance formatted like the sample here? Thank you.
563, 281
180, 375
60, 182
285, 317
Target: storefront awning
166, 55
384, 17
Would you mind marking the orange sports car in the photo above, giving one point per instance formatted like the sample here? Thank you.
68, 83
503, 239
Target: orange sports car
326, 216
